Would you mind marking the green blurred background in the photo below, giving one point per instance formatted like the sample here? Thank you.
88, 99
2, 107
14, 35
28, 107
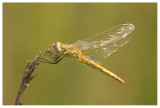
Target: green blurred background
28, 27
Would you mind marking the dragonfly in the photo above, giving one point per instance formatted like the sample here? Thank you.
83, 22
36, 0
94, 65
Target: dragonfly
102, 45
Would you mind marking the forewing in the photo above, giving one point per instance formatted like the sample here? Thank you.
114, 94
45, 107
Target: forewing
104, 44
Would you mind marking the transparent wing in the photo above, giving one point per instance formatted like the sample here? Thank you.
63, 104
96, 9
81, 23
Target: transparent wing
93, 59
107, 42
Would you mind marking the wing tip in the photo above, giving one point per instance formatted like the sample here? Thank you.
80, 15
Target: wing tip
131, 27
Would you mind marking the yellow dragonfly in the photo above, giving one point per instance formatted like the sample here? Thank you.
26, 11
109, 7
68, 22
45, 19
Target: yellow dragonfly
102, 45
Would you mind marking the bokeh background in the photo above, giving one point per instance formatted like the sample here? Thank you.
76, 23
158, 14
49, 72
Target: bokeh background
28, 27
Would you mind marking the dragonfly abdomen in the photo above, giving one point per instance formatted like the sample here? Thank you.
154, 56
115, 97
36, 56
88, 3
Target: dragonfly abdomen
100, 68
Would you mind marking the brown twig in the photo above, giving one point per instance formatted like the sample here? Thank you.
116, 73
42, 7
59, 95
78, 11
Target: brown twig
27, 77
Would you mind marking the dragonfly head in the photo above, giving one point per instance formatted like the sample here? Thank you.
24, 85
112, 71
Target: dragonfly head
57, 46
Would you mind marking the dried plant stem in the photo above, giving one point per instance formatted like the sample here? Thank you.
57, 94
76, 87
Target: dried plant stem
27, 77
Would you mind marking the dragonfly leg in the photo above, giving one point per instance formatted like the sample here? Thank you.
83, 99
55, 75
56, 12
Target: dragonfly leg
46, 61
50, 62
55, 57
59, 60
51, 53
51, 57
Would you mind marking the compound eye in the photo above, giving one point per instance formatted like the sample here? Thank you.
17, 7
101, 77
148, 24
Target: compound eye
57, 47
